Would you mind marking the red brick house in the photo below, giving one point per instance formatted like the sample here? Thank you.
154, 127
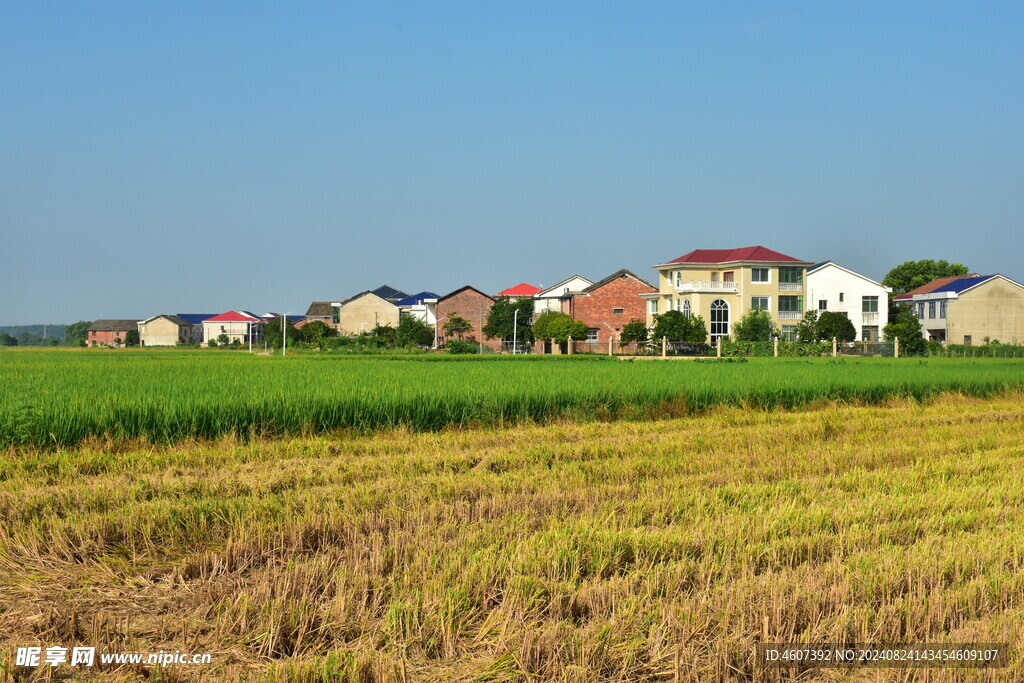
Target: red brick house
110, 332
608, 304
469, 303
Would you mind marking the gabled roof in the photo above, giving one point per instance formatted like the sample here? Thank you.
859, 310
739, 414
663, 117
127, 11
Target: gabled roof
233, 317
462, 289
415, 299
320, 309
195, 318
962, 283
522, 289
931, 286
552, 288
615, 276
731, 255
114, 325
818, 266
389, 293
368, 292
173, 318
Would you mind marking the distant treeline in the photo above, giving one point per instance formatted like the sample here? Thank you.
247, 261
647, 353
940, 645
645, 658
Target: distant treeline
33, 335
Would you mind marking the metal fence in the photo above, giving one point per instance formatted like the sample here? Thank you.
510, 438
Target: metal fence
867, 349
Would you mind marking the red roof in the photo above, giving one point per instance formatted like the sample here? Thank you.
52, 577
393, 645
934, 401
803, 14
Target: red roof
522, 289
730, 255
931, 286
232, 317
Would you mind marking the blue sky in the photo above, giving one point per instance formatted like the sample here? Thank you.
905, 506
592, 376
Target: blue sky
196, 157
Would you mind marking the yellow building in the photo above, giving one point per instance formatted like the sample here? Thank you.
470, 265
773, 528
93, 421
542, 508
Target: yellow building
973, 309
722, 285
364, 312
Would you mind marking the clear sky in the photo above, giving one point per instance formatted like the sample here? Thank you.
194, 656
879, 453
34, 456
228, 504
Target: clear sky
164, 157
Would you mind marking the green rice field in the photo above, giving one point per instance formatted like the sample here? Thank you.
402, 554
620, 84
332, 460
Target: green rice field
60, 398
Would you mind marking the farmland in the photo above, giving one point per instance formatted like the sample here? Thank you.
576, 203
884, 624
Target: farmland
575, 551
57, 399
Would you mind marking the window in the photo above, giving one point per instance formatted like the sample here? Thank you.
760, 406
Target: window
823, 304
967, 340
719, 319
869, 304
759, 303
714, 277
931, 309
592, 334
759, 275
840, 297
678, 304
788, 333
920, 310
869, 334
791, 304
729, 276
618, 311
565, 290
942, 309
791, 274
335, 314
686, 308
679, 278
652, 306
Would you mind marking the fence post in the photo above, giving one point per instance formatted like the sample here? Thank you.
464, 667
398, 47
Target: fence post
609, 345
569, 345
664, 347
896, 348
718, 348
835, 347
556, 348
775, 347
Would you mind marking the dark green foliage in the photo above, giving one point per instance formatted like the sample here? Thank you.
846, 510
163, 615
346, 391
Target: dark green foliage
414, 332
223, 340
75, 334
457, 326
212, 343
272, 333
905, 326
457, 346
755, 326
8, 340
558, 326
912, 274
131, 338
315, 332
501, 316
633, 331
807, 328
677, 327
834, 325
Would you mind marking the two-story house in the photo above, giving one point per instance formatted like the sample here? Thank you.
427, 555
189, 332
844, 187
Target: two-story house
721, 285
968, 310
831, 287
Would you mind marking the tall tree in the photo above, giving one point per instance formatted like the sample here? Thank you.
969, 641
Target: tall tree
457, 326
75, 334
414, 332
633, 331
755, 326
558, 326
677, 327
912, 274
131, 338
503, 319
835, 325
905, 325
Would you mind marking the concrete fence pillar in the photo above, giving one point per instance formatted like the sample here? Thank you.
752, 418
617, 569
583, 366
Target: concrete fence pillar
556, 348
775, 347
664, 347
835, 347
569, 346
609, 345
718, 348
896, 348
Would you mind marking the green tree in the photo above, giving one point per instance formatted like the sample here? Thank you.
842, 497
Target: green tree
633, 331
755, 326
905, 325
503, 313
834, 325
315, 332
807, 328
457, 326
212, 343
912, 274
272, 333
414, 332
75, 334
677, 327
131, 338
558, 326
8, 340
223, 340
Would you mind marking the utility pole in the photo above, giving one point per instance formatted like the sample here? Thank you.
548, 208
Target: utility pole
284, 335
515, 324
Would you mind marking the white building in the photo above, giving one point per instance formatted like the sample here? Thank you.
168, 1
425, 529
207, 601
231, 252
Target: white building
550, 299
830, 287
242, 326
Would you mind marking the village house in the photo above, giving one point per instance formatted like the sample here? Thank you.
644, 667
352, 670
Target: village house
365, 311
420, 306
168, 330
521, 291
196, 319
389, 293
721, 285
109, 332
319, 310
469, 303
242, 326
973, 309
550, 299
608, 304
831, 287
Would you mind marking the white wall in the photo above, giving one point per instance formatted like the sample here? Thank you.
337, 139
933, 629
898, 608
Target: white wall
549, 300
831, 281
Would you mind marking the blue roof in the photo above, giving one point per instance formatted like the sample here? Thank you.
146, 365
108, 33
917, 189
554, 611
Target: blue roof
195, 318
962, 284
416, 299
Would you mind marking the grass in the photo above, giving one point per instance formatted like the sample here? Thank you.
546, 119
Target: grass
634, 550
58, 399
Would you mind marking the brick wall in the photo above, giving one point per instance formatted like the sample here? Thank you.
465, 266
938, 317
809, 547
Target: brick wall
596, 308
474, 307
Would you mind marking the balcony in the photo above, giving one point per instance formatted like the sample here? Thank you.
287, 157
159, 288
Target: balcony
791, 286
790, 315
706, 286
869, 318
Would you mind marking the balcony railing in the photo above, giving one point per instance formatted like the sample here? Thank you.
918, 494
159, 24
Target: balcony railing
791, 286
790, 315
706, 286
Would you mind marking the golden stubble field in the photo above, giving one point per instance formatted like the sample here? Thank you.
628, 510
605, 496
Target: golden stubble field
658, 550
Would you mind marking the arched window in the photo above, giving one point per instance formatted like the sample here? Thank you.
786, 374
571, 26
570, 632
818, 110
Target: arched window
719, 319
686, 308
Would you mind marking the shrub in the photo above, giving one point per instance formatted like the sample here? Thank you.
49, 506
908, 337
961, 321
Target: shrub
458, 346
